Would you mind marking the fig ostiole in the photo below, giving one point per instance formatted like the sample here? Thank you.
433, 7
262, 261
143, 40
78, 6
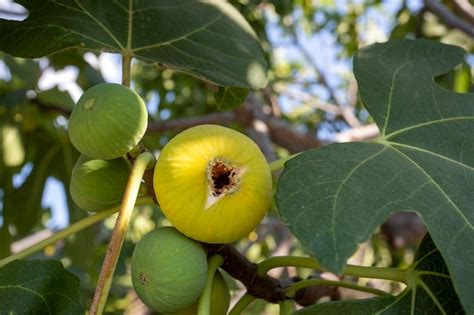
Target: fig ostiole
168, 270
108, 121
97, 184
213, 183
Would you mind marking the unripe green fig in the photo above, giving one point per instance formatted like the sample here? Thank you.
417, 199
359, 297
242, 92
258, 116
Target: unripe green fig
168, 270
98, 185
220, 298
107, 121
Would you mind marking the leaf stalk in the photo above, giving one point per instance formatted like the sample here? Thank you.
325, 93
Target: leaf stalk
204, 306
118, 234
394, 274
242, 304
72, 229
291, 290
280, 163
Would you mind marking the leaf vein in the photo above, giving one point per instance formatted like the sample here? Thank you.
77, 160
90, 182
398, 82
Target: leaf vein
435, 185
392, 144
432, 122
334, 207
30, 291
169, 42
100, 24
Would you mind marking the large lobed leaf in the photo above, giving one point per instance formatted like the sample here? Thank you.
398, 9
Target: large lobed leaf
207, 39
429, 291
39, 287
333, 198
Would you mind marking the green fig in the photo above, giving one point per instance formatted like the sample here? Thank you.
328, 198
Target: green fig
107, 121
98, 185
168, 270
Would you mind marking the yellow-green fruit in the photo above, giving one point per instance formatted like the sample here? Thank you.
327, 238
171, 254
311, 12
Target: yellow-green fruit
98, 184
168, 270
213, 183
107, 121
220, 298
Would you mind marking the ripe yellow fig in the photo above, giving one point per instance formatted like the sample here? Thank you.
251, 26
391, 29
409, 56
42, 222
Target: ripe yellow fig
213, 184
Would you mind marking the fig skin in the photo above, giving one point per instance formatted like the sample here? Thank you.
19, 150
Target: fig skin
213, 184
98, 185
220, 298
108, 121
168, 270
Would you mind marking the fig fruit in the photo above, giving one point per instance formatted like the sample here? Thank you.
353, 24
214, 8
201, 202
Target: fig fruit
213, 183
220, 298
107, 121
98, 184
168, 270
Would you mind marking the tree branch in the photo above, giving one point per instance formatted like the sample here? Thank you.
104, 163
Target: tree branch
464, 8
48, 107
449, 17
259, 128
185, 123
346, 113
357, 134
265, 287
281, 132
239, 267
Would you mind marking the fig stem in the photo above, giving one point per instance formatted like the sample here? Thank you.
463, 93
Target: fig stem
126, 69
118, 234
278, 164
204, 306
394, 274
286, 307
72, 229
291, 290
242, 304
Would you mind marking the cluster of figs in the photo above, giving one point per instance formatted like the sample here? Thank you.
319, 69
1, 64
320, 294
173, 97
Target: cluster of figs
212, 183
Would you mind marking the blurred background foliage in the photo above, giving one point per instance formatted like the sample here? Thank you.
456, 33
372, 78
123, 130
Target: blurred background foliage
311, 100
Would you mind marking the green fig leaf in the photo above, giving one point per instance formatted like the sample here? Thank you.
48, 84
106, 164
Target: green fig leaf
24, 75
230, 98
429, 291
39, 287
25, 213
207, 39
56, 97
334, 197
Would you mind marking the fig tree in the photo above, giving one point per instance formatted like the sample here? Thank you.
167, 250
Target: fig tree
213, 183
98, 184
107, 121
168, 270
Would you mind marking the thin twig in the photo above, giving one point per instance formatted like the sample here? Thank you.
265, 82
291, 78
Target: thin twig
184, 123
449, 18
347, 114
366, 132
118, 234
464, 8
280, 131
259, 129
